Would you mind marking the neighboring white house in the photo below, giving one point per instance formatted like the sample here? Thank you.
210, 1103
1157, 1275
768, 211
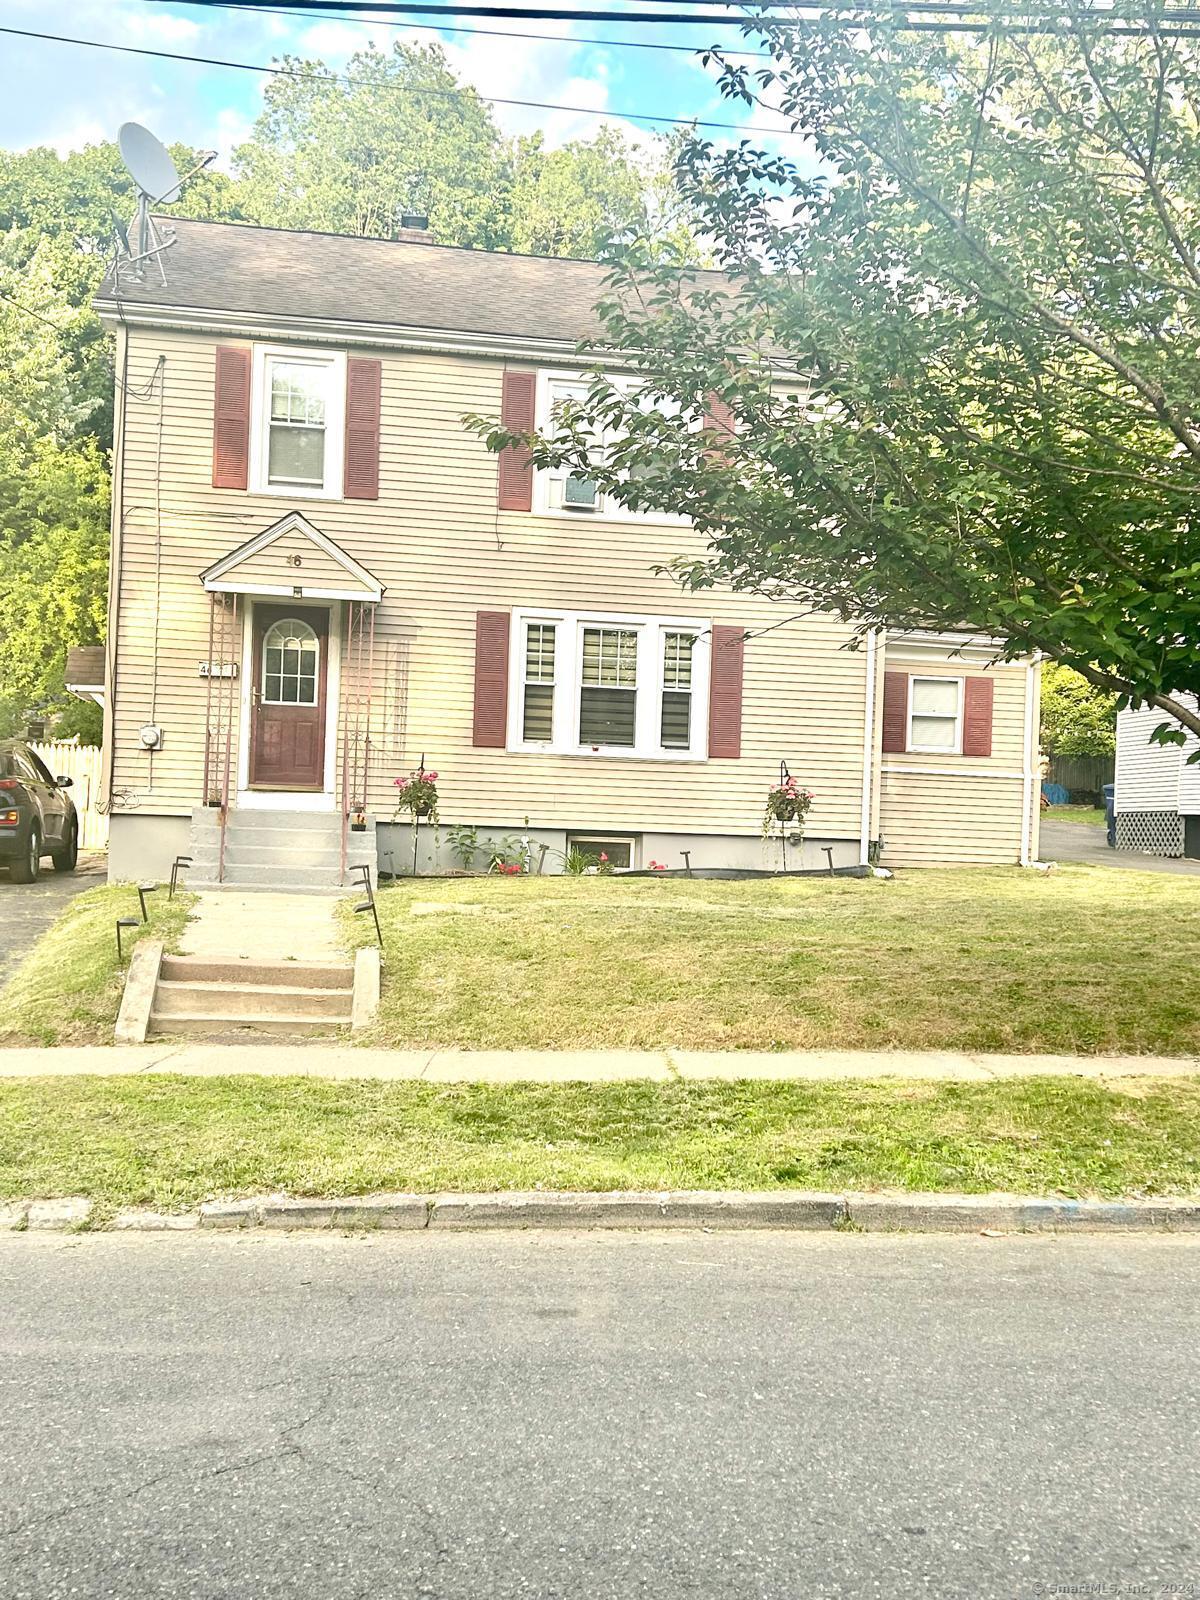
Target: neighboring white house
1157, 799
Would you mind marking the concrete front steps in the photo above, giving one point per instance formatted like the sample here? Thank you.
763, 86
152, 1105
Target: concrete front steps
293, 851
203, 998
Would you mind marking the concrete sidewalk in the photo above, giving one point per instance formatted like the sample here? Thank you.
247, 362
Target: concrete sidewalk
571, 1066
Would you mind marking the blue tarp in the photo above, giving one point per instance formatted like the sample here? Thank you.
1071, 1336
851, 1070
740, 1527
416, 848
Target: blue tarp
1055, 794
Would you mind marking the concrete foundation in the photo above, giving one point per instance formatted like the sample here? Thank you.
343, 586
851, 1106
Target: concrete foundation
747, 852
142, 847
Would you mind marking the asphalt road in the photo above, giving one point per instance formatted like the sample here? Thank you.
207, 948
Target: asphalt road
597, 1416
28, 909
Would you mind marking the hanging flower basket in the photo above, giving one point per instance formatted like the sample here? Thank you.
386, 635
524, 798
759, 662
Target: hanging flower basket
417, 794
787, 803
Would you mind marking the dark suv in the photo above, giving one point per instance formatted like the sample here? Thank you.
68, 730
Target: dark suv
36, 818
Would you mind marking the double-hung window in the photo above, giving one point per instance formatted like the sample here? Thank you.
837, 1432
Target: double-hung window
935, 715
560, 492
299, 422
594, 684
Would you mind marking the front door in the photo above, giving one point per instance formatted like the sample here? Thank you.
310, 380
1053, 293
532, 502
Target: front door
287, 699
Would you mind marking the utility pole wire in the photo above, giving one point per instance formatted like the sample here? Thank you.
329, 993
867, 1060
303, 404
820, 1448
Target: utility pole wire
382, 83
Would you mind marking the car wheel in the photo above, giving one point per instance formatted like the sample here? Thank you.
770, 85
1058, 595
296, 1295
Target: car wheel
64, 860
28, 864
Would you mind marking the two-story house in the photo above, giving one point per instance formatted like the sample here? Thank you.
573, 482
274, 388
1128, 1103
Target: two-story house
320, 576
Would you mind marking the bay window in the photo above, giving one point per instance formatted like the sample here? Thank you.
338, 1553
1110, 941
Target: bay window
593, 684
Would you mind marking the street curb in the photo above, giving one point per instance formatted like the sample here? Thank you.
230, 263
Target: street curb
790, 1209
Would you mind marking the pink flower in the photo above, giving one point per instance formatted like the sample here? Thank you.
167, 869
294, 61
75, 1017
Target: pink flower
401, 783
432, 777
603, 856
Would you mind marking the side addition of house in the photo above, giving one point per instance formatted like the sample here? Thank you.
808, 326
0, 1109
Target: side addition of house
320, 578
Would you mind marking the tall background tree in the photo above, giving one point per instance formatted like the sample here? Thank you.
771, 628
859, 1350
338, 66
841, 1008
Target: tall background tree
957, 382
344, 153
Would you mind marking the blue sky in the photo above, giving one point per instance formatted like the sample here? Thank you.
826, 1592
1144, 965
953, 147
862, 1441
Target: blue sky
66, 97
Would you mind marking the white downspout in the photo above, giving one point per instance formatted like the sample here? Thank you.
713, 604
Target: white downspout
868, 752
1027, 796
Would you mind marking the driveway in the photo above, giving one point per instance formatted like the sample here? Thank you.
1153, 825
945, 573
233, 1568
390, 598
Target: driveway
1076, 841
28, 909
643, 1416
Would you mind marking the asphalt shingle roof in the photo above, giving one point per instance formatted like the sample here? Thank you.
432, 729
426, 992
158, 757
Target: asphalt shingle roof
223, 266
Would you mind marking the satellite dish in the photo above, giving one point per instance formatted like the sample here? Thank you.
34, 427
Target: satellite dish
149, 163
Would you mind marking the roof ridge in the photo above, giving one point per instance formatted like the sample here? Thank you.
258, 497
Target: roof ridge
374, 238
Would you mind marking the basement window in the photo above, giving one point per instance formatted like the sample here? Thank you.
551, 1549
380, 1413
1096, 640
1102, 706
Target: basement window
618, 848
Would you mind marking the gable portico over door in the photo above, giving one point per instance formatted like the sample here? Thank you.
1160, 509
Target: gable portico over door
296, 597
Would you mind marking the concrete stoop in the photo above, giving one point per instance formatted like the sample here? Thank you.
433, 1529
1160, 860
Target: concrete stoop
203, 998
283, 850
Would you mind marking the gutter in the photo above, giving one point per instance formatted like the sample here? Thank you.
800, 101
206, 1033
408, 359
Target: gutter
1030, 774
333, 330
868, 751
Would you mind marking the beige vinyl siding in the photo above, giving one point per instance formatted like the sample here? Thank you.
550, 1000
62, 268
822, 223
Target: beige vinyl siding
953, 810
436, 541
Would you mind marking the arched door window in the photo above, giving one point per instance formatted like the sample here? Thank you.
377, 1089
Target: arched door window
291, 653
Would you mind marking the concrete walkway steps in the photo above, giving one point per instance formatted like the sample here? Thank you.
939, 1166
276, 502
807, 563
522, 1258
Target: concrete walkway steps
197, 995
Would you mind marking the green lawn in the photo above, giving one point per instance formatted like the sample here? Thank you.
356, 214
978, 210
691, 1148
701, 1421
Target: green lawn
68, 989
171, 1142
1079, 960
1090, 816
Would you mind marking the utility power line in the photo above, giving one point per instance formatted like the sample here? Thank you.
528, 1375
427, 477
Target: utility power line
396, 88
943, 16
572, 40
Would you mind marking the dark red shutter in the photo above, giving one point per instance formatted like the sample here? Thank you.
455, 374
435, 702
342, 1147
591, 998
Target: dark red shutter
725, 693
977, 716
719, 421
516, 412
490, 727
895, 713
231, 419
360, 474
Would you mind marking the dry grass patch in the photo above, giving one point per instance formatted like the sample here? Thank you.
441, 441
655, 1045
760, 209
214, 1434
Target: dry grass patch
1080, 960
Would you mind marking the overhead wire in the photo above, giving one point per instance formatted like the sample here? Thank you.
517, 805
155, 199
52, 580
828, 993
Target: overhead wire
609, 113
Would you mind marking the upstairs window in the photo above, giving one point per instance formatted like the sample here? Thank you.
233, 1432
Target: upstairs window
591, 684
299, 421
567, 494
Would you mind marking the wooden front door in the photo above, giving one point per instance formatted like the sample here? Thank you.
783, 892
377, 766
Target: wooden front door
287, 697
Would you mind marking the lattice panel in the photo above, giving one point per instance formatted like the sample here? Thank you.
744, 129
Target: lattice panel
1153, 833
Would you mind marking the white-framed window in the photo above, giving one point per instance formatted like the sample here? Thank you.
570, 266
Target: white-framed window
291, 654
606, 849
298, 406
560, 493
935, 715
597, 683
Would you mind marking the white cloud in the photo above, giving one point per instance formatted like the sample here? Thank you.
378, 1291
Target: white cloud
158, 26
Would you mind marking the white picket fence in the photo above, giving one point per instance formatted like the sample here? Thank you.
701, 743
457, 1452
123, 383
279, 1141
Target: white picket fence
80, 763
